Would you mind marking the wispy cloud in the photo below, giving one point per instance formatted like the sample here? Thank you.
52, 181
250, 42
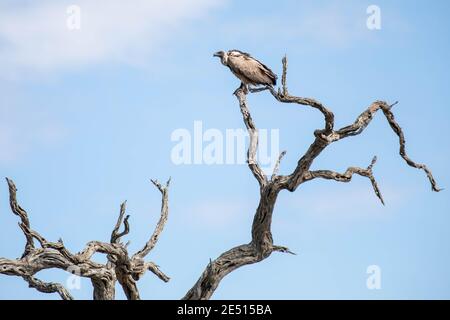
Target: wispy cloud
36, 36
35, 40
335, 25
332, 25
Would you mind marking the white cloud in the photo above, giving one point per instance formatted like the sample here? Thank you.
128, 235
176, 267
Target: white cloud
335, 25
35, 40
35, 35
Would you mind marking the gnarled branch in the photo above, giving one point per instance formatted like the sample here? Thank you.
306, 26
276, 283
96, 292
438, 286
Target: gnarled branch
261, 245
22, 214
161, 223
347, 176
150, 266
116, 235
253, 165
120, 266
48, 287
363, 121
128, 270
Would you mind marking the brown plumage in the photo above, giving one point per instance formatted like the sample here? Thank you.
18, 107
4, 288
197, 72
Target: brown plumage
249, 70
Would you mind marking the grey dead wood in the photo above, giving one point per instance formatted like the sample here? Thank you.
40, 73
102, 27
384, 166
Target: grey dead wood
127, 270
262, 245
121, 267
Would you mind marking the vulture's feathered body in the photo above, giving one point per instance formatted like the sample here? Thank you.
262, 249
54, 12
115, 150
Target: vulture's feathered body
249, 70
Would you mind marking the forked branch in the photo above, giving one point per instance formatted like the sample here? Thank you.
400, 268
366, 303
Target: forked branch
48, 287
54, 255
128, 270
347, 176
116, 235
261, 244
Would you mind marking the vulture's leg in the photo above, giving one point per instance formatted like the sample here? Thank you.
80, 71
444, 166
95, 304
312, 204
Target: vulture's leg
242, 87
246, 88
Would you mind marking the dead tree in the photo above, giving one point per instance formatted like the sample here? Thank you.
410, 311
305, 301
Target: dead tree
121, 267
261, 245
127, 270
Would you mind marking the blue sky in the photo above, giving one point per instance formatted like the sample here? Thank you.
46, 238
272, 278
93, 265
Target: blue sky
86, 118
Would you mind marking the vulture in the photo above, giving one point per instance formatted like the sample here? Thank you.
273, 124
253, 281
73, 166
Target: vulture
249, 70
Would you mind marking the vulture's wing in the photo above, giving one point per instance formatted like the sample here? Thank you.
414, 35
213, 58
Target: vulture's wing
272, 76
244, 66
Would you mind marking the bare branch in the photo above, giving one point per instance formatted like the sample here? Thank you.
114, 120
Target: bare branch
161, 223
150, 266
328, 135
103, 277
277, 165
261, 245
284, 76
253, 133
116, 235
282, 249
363, 121
347, 176
216, 270
127, 271
22, 214
160, 187
284, 96
116, 250
49, 287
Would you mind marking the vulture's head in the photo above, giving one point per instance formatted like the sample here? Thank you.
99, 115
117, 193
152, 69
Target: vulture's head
222, 55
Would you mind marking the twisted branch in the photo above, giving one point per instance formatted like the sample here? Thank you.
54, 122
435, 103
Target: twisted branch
253, 165
161, 223
116, 235
120, 266
127, 271
261, 245
347, 176
150, 266
22, 214
49, 287
363, 121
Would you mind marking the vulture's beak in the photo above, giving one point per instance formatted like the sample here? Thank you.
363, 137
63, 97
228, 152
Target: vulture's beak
217, 54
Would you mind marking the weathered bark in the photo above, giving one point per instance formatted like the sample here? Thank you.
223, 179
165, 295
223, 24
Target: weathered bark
262, 245
104, 289
120, 267
127, 270
258, 249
